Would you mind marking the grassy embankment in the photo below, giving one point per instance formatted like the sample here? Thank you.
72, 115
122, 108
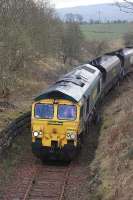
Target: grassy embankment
114, 156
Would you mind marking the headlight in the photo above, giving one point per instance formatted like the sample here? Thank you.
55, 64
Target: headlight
37, 133
71, 136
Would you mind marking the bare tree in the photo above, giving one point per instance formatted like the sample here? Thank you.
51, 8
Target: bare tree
69, 17
125, 6
26, 28
99, 48
72, 38
79, 18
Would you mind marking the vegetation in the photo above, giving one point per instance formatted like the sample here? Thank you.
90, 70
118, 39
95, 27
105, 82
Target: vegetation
29, 30
106, 31
114, 156
72, 38
12, 159
128, 39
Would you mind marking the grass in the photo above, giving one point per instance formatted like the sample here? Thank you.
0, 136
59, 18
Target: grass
106, 31
13, 156
114, 155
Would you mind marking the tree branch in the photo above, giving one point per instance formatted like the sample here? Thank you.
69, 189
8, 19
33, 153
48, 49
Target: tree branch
126, 6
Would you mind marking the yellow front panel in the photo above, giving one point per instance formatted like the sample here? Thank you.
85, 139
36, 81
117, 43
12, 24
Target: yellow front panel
54, 129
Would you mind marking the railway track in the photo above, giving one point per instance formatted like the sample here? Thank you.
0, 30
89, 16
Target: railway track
50, 184
40, 182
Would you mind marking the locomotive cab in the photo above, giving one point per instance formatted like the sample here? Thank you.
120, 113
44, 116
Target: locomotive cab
61, 113
55, 127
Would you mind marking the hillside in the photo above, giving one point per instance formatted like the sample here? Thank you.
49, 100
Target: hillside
112, 165
103, 12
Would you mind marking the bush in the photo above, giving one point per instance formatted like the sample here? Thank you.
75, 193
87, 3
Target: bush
128, 39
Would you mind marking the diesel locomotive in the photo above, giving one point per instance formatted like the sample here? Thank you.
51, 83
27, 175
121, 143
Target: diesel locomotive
61, 114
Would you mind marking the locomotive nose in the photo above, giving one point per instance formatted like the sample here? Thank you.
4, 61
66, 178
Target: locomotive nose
54, 131
54, 144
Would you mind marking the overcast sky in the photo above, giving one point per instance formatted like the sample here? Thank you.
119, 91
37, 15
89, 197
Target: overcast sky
72, 3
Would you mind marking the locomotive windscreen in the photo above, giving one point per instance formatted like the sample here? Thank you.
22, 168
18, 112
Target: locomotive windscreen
44, 111
67, 112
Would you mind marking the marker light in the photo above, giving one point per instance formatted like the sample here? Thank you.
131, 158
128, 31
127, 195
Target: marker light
71, 136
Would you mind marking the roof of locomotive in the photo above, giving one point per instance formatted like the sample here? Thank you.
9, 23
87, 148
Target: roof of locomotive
125, 55
107, 61
128, 51
74, 85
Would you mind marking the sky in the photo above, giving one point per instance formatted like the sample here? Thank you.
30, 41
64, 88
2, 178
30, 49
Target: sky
73, 3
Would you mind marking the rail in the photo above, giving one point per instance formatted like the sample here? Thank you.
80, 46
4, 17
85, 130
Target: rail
51, 183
